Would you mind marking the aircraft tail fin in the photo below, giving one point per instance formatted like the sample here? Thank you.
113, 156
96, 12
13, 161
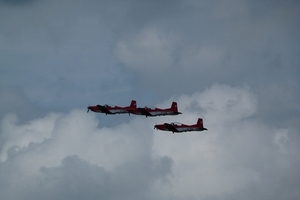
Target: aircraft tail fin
174, 107
200, 122
133, 104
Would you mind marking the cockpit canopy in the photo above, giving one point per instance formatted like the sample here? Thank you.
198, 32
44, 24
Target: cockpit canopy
106, 105
176, 123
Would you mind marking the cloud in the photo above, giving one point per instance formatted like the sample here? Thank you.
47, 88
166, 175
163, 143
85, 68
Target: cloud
49, 154
75, 155
206, 58
18, 2
236, 154
14, 100
61, 48
233, 10
233, 63
54, 49
151, 49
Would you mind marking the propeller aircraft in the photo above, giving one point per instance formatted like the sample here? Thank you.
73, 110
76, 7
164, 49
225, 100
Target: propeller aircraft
151, 112
111, 110
179, 127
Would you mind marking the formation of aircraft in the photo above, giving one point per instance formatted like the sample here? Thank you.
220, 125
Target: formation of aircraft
179, 127
174, 127
132, 109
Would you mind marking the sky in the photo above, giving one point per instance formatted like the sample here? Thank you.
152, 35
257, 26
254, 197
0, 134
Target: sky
234, 63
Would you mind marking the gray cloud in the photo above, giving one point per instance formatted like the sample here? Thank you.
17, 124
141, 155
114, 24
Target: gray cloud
207, 42
15, 101
238, 156
234, 63
78, 179
116, 164
70, 156
17, 2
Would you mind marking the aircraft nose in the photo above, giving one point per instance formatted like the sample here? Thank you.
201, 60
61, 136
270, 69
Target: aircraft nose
89, 108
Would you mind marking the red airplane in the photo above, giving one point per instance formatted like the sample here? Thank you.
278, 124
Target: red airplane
179, 127
151, 112
111, 110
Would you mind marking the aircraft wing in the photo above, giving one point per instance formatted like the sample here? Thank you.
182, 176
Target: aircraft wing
170, 127
104, 109
143, 111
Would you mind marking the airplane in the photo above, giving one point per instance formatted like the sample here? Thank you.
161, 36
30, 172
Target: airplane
111, 110
179, 127
151, 112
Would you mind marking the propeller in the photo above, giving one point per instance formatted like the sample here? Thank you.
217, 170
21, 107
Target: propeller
88, 109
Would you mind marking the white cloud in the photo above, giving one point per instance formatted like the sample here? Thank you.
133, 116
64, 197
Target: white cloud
234, 154
228, 158
41, 153
217, 104
65, 55
48, 153
15, 137
149, 50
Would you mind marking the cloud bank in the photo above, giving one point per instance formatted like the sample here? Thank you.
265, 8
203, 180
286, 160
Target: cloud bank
73, 155
233, 63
